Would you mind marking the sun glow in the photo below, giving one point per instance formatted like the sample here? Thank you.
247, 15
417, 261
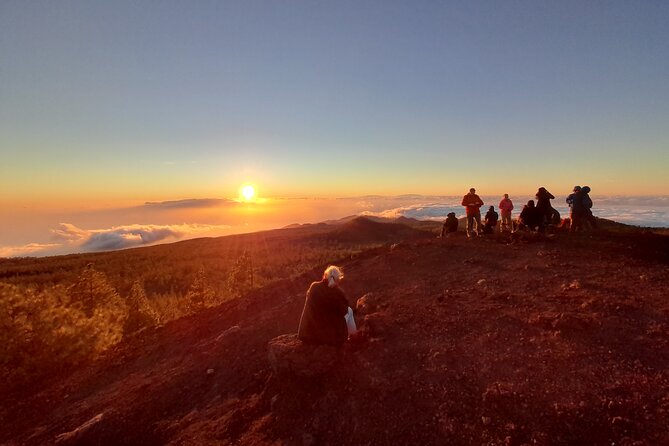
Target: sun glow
248, 192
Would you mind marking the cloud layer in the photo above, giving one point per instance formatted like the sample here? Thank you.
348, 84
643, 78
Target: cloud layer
69, 238
190, 203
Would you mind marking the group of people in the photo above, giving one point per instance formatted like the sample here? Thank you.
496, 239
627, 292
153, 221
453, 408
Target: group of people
534, 216
327, 318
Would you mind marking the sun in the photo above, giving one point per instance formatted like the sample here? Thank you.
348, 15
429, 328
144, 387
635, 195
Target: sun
248, 192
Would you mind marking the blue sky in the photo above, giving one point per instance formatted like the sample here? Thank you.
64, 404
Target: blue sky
410, 92
112, 104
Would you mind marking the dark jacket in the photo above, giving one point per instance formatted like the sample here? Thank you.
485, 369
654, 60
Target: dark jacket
451, 224
544, 202
530, 217
322, 320
491, 218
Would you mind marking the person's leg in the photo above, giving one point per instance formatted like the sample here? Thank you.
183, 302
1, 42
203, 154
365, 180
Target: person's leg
470, 222
479, 226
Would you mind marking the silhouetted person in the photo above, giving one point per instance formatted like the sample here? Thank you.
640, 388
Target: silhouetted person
450, 224
505, 208
587, 204
491, 218
326, 313
580, 208
570, 198
472, 204
544, 208
529, 218
577, 209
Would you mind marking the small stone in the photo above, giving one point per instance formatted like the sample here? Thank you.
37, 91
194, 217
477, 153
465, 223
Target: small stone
308, 439
486, 421
210, 372
481, 282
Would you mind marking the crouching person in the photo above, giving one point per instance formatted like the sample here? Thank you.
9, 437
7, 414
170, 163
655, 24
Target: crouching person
326, 317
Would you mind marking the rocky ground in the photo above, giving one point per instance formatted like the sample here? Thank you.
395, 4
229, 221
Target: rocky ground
556, 340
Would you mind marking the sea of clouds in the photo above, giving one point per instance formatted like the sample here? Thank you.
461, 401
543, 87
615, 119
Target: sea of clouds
215, 217
638, 211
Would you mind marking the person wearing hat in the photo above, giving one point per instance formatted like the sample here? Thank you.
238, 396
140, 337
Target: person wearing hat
450, 225
472, 204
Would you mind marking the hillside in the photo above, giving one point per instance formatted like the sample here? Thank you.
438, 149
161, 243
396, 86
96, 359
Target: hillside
542, 340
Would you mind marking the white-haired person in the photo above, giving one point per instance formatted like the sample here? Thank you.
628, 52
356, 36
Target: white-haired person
326, 317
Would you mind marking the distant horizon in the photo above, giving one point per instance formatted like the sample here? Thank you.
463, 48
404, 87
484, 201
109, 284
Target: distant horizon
93, 230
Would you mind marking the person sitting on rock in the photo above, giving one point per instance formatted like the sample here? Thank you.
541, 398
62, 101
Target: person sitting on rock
529, 217
490, 221
326, 317
450, 225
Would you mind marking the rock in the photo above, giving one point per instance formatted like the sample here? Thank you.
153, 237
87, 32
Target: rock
376, 324
367, 304
481, 282
287, 354
210, 372
82, 434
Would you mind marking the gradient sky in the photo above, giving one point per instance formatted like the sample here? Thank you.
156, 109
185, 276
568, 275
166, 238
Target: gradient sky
116, 103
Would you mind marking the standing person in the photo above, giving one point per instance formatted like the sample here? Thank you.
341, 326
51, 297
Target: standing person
450, 225
577, 211
544, 208
570, 198
472, 204
587, 204
490, 221
570, 203
326, 317
505, 208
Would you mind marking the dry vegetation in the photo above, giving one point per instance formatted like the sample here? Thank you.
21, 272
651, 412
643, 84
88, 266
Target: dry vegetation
58, 312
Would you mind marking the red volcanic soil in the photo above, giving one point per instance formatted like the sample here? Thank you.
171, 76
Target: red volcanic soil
547, 341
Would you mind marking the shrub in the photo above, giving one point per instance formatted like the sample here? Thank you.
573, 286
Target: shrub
200, 293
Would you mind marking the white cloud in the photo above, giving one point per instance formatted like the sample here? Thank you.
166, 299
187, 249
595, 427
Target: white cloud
73, 239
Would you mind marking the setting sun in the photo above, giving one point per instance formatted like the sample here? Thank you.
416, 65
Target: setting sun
248, 192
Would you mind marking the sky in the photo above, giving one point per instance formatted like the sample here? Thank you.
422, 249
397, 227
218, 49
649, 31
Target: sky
105, 106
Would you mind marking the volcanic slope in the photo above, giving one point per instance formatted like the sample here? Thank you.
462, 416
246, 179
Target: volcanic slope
551, 341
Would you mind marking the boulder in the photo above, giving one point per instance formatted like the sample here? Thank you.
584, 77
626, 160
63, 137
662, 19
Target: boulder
376, 325
367, 304
287, 354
